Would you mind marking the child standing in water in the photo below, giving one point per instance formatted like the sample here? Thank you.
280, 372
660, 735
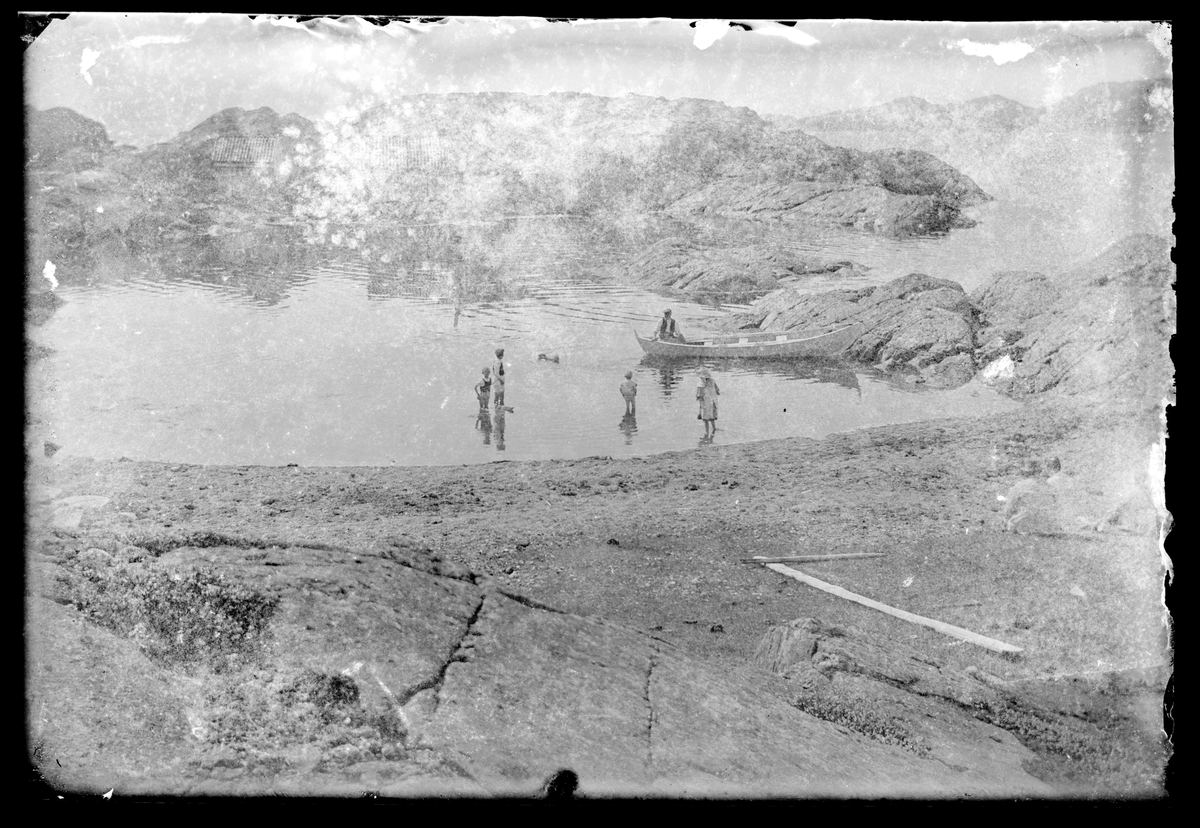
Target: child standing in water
498, 378
629, 392
483, 389
706, 394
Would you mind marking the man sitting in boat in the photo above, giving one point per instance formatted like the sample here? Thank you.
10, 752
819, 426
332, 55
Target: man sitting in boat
668, 331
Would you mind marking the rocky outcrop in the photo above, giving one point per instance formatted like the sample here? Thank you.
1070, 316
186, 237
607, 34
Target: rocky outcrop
727, 274
967, 719
468, 156
386, 669
991, 112
862, 207
1101, 330
1138, 106
916, 324
893, 192
63, 135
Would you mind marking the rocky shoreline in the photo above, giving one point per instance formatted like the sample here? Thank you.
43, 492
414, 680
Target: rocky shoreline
1099, 329
552, 585
471, 631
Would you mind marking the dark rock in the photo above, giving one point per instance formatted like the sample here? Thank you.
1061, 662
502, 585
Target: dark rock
912, 323
561, 784
863, 207
951, 372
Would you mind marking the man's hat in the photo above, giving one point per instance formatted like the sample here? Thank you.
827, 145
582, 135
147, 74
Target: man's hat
667, 312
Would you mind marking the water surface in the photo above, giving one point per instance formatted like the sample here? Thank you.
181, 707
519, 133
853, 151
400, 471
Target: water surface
260, 348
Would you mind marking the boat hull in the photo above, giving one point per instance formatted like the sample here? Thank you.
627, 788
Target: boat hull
758, 345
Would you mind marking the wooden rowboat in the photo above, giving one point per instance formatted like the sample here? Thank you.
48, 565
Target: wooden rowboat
765, 344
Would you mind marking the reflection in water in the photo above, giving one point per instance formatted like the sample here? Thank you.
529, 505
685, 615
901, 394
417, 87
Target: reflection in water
629, 426
246, 385
265, 263
670, 371
431, 280
483, 423
499, 430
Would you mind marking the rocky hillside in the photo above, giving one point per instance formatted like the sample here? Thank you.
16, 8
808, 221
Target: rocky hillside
1139, 106
586, 153
1112, 141
991, 112
1099, 331
466, 157
1144, 106
62, 135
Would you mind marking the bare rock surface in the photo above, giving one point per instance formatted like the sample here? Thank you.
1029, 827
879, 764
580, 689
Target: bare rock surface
729, 274
420, 676
917, 323
97, 704
1097, 330
861, 206
963, 718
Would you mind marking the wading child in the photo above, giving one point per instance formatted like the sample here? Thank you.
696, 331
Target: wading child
498, 378
706, 394
629, 392
483, 388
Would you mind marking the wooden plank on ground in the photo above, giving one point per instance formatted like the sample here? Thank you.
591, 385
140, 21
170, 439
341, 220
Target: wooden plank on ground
940, 626
811, 558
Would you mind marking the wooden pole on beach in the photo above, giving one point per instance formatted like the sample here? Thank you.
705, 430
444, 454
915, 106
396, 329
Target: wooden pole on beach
811, 558
940, 626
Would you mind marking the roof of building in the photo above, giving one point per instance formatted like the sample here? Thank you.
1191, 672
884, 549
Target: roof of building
401, 151
239, 149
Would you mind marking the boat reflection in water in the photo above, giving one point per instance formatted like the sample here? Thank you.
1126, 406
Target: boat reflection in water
629, 427
669, 371
838, 372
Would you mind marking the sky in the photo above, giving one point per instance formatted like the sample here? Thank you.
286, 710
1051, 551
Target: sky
148, 77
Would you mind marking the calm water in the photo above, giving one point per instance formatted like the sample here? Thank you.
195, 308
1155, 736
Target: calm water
333, 376
260, 349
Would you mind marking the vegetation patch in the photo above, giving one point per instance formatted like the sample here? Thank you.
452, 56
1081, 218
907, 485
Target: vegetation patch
162, 544
856, 716
1106, 755
265, 719
177, 618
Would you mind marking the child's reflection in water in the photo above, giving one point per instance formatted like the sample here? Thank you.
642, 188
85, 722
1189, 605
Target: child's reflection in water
629, 426
499, 428
483, 423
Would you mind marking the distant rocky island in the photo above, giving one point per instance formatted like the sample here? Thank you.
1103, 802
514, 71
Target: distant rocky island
1142, 106
241, 175
462, 157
